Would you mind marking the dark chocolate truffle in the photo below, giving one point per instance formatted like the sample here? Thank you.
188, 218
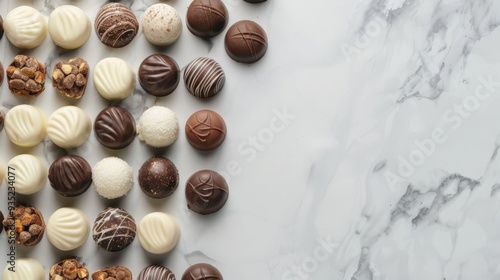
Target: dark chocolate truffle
246, 41
156, 272
116, 25
204, 77
158, 177
206, 18
112, 273
1, 28
2, 118
206, 192
114, 229
70, 175
205, 130
1, 219
202, 271
114, 127
255, 1
159, 75
26, 226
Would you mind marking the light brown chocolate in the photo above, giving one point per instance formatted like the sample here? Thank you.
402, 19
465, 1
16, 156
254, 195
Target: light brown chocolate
70, 77
26, 76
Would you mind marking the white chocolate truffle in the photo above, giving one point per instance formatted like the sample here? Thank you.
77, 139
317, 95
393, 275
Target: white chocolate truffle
26, 268
114, 79
30, 173
158, 233
25, 125
158, 127
112, 177
69, 127
67, 228
25, 27
161, 24
2, 173
69, 27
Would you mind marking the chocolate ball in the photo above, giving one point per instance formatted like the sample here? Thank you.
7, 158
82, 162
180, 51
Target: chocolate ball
114, 128
206, 192
156, 272
158, 177
70, 175
201, 271
114, 229
206, 18
246, 41
159, 75
1, 220
1, 73
1, 28
204, 77
2, 118
205, 130
116, 25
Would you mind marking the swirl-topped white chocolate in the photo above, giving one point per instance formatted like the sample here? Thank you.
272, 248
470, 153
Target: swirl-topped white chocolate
158, 127
158, 233
30, 173
67, 228
25, 27
204, 77
25, 125
69, 27
25, 268
114, 79
69, 127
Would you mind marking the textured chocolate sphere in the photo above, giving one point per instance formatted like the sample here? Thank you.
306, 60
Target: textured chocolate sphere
114, 229
116, 25
158, 177
206, 192
156, 272
205, 130
159, 75
246, 41
204, 77
70, 175
206, 18
114, 127
202, 271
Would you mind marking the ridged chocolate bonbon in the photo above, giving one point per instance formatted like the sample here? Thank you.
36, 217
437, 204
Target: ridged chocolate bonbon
156, 272
114, 127
206, 18
70, 175
204, 77
116, 25
159, 75
246, 41
114, 229
202, 271
206, 192
205, 130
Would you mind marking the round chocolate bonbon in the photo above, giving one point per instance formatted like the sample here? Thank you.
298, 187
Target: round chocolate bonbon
204, 77
246, 41
206, 18
70, 175
114, 127
201, 271
159, 75
156, 272
27, 223
206, 192
114, 229
116, 25
158, 177
113, 273
205, 130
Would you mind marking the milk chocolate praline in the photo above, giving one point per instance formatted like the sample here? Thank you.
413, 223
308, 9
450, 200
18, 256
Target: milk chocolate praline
159, 75
206, 18
114, 127
68, 269
156, 272
27, 223
70, 175
206, 192
202, 271
114, 229
205, 130
246, 41
158, 177
116, 25
112, 273
1, 73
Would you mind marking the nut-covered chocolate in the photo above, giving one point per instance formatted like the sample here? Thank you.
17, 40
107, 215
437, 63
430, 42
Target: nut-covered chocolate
206, 192
205, 130
70, 77
116, 25
206, 18
246, 41
27, 223
156, 272
202, 271
204, 77
26, 76
68, 269
114, 127
113, 273
159, 75
70, 175
114, 229
158, 177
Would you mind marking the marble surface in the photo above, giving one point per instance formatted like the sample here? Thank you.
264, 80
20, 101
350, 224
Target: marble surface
363, 146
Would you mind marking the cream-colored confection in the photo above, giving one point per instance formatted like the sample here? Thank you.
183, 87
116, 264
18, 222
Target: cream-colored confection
67, 228
2, 173
69, 27
161, 24
30, 173
158, 232
25, 268
25, 125
25, 27
158, 127
112, 177
114, 78
69, 127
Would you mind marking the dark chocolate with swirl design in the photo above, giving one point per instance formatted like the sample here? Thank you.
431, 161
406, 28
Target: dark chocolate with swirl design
206, 18
202, 271
70, 175
158, 177
2, 118
114, 127
205, 130
156, 272
159, 75
114, 229
1, 30
246, 41
204, 77
116, 25
206, 192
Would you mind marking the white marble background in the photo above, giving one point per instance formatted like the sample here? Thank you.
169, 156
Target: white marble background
383, 166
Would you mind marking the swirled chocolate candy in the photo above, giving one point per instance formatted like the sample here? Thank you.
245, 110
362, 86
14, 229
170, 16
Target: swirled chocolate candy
206, 192
114, 229
205, 130
2, 118
207, 18
158, 177
159, 75
246, 41
156, 272
116, 25
113, 273
27, 223
1, 28
68, 269
204, 77
26, 76
1, 219
202, 271
114, 127
70, 175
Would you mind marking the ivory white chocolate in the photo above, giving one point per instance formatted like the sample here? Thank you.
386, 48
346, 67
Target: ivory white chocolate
25, 125
30, 173
69, 27
158, 232
69, 127
67, 228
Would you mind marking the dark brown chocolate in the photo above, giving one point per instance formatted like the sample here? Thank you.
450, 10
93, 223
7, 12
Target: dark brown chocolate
70, 77
1, 219
26, 76
255, 1
204, 77
2, 119
114, 229
206, 192
159, 75
246, 41
156, 272
1, 28
202, 271
68, 269
114, 127
70, 175
113, 273
205, 130
27, 223
158, 177
206, 18
116, 25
